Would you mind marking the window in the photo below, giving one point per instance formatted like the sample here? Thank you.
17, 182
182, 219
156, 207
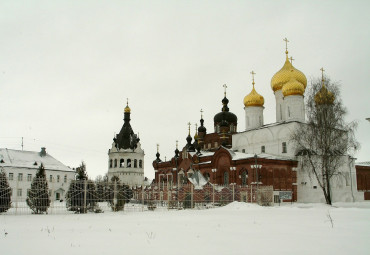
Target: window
65, 178
140, 163
19, 192
284, 147
288, 111
20, 177
243, 150
260, 118
135, 163
121, 162
216, 144
50, 178
11, 176
128, 162
115, 163
244, 178
58, 178
29, 177
226, 178
232, 128
28, 192
110, 163
263, 149
247, 121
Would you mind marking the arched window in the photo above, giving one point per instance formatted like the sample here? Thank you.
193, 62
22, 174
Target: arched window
128, 162
263, 149
140, 163
247, 121
226, 178
232, 128
122, 163
244, 178
135, 163
115, 163
110, 163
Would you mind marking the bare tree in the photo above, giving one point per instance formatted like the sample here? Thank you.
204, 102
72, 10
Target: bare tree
326, 140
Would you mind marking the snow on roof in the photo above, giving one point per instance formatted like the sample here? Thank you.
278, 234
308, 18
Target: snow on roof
366, 163
27, 159
240, 155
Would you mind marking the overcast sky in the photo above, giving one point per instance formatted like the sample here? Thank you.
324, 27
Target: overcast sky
67, 67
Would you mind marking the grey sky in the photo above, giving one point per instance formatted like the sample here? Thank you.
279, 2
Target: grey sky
67, 67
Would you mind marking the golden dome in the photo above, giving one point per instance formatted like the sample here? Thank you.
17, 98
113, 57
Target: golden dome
127, 109
324, 96
293, 87
284, 75
253, 99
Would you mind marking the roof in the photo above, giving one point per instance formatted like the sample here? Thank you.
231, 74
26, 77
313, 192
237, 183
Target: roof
366, 163
27, 159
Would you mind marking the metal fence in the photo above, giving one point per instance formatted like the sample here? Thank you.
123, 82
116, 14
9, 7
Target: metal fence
98, 197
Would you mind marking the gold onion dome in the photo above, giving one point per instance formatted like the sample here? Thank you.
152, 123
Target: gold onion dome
324, 96
284, 75
127, 109
293, 87
253, 98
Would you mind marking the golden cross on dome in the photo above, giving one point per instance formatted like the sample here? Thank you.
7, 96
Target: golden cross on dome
157, 147
253, 73
225, 86
189, 124
201, 113
286, 45
291, 60
322, 73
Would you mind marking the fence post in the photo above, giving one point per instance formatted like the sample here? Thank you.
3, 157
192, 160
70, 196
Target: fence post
251, 195
213, 194
142, 199
233, 193
85, 194
192, 194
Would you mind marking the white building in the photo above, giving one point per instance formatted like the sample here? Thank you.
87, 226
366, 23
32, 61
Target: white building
126, 158
21, 167
288, 85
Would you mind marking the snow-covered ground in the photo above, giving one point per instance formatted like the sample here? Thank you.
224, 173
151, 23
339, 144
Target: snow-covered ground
238, 228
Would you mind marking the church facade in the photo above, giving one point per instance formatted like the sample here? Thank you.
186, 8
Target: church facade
262, 154
126, 158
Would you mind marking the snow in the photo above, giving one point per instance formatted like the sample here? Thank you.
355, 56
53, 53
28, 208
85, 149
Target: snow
237, 228
26, 159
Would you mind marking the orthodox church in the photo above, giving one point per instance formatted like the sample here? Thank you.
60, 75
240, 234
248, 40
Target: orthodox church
126, 158
262, 154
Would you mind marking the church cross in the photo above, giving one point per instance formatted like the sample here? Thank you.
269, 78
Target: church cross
157, 147
291, 60
322, 73
177, 144
127, 101
189, 124
286, 45
253, 73
225, 86
201, 113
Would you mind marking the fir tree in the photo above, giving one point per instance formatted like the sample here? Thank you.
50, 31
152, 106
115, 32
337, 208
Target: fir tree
38, 197
81, 195
5, 193
118, 194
